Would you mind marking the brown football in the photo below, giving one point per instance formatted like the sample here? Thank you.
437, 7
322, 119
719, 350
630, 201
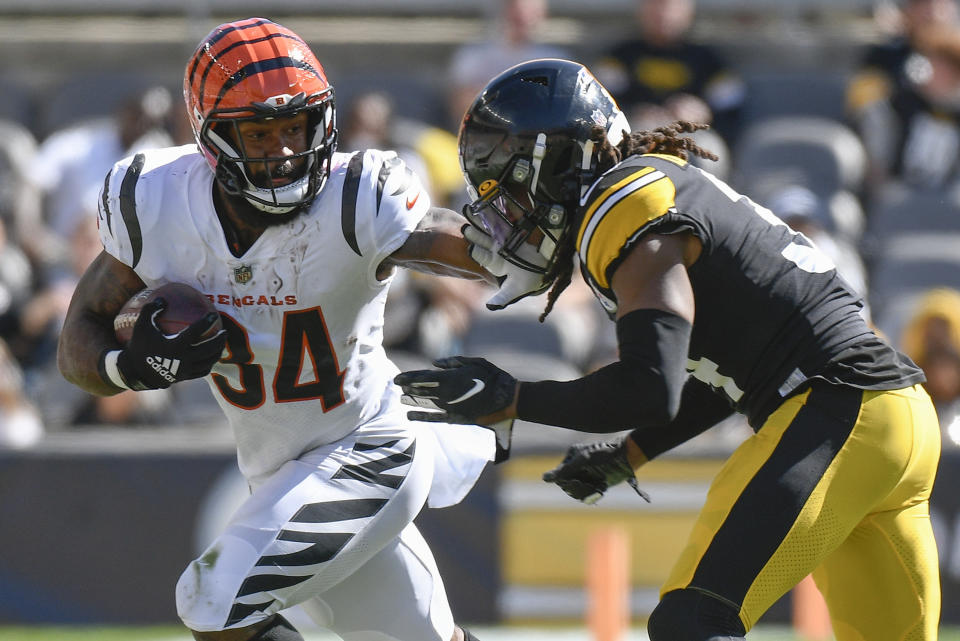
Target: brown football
185, 306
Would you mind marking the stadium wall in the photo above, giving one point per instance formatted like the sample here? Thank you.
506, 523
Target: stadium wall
94, 537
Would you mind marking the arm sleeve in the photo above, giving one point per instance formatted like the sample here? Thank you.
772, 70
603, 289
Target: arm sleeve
641, 389
700, 409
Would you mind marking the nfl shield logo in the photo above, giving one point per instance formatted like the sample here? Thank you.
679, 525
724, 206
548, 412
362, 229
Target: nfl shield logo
242, 274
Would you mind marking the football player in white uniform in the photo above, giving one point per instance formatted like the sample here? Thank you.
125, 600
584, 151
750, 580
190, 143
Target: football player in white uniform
295, 244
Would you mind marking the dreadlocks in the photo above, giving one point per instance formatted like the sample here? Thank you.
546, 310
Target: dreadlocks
662, 140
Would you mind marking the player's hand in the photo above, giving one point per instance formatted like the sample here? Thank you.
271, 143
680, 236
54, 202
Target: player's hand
464, 390
152, 360
515, 282
589, 469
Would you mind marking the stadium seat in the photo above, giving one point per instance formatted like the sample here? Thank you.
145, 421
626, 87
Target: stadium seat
898, 209
778, 92
911, 245
821, 154
517, 332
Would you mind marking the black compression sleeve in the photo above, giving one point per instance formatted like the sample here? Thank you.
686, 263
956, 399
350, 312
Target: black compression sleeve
700, 409
641, 389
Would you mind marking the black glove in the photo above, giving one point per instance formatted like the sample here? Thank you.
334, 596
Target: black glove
152, 360
464, 389
589, 469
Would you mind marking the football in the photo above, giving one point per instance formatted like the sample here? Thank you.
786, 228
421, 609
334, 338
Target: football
185, 306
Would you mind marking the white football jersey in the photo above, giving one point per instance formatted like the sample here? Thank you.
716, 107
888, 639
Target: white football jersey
303, 309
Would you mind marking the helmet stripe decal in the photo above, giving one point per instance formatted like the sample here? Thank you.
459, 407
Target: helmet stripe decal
219, 54
252, 69
128, 206
208, 45
263, 66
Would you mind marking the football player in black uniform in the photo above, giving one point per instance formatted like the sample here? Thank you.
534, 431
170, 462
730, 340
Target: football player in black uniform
719, 307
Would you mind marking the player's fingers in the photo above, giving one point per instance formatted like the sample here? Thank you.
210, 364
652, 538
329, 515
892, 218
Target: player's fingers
150, 312
453, 362
559, 473
211, 348
156, 305
220, 336
590, 499
429, 417
450, 362
195, 331
484, 257
419, 400
417, 378
478, 237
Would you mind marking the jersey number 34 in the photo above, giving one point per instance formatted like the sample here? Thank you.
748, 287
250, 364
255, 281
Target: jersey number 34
304, 335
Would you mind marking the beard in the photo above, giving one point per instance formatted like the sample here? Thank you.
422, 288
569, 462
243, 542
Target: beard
253, 216
262, 176
228, 183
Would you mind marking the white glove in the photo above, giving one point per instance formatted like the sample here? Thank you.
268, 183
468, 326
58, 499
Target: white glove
515, 282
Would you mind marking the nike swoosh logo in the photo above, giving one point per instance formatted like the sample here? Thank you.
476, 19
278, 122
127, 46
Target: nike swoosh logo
411, 203
473, 391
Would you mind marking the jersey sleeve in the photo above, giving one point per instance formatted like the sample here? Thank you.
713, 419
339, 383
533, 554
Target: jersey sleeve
135, 205
620, 207
117, 212
391, 207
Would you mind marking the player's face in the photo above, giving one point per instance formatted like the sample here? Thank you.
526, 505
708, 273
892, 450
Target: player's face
507, 211
274, 138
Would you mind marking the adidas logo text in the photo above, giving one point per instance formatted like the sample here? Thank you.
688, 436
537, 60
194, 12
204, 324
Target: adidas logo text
165, 367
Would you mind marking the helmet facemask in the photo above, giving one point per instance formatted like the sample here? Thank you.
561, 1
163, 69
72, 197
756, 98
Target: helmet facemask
527, 229
252, 70
528, 152
240, 173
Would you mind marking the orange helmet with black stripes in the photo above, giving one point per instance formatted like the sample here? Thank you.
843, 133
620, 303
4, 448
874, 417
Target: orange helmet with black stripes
256, 69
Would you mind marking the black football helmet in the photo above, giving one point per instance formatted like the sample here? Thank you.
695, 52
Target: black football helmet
526, 153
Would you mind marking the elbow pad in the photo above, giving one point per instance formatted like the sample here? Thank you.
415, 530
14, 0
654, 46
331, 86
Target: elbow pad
643, 388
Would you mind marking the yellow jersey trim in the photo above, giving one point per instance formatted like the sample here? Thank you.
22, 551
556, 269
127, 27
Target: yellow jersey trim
676, 160
620, 212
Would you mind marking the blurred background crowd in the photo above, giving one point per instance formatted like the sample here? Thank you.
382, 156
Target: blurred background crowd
842, 117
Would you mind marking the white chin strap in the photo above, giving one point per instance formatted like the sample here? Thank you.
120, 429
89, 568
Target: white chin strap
539, 151
619, 127
287, 197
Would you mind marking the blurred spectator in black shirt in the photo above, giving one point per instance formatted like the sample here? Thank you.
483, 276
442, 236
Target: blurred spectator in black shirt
904, 100
661, 76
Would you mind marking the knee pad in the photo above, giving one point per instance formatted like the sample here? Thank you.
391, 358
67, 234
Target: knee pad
690, 615
279, 629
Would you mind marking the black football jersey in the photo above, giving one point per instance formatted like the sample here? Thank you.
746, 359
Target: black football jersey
771, 311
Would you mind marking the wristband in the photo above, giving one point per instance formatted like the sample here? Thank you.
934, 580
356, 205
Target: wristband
109, 370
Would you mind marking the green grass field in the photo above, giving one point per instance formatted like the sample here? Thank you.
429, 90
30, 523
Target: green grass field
175, 633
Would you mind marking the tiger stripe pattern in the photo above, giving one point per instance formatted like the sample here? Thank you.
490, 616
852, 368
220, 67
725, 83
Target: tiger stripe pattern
318, 532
